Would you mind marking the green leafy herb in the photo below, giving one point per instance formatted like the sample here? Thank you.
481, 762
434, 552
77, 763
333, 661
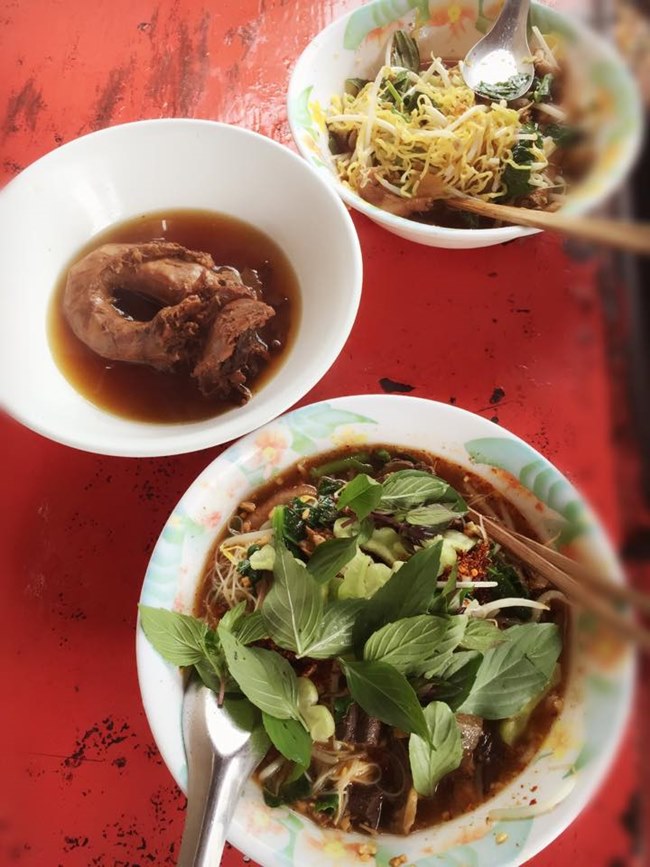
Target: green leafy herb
289, 793
436, 516
245, 567
456, 678
515, 671
321, 514
385, 694
408, 489
289, 737
330, 557
335, 637
408, 592
481, 635
456, 626
562, 134
327, 804
293, 607
251, 628
327, 486
248, 717
178, 638
232, 617
509, 584
404, 51
361, 495
266, 678
406, 644
341, 707
508, 90
541, 88
358, 462
439, 753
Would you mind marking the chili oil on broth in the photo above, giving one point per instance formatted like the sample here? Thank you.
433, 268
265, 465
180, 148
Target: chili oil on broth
502, 763
138, 392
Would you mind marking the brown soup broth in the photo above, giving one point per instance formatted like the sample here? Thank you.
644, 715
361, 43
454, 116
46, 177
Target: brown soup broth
501, 763
139, 392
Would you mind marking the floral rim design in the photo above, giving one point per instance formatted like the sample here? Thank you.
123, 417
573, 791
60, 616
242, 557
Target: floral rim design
578, 745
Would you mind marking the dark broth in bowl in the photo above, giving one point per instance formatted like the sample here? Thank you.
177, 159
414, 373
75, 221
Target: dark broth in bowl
495, 748
140, 392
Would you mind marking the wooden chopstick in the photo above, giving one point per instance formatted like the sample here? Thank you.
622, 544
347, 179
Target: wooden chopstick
583, 590
633, 237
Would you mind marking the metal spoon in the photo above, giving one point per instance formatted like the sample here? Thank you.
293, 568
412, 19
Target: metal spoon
502, 56
221, 756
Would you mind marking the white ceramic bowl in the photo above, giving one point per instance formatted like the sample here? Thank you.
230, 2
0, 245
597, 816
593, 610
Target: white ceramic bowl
56, 205
353, 46
582, 742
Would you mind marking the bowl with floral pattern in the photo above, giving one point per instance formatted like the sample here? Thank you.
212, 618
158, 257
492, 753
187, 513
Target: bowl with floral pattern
533, 809
353, 47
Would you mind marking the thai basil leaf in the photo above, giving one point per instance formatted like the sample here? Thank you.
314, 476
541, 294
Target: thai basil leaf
507, 90
232, 617
293, 607
481, 635
336, 635
266, 678
251, 628
330, 557
437, 755
453, 636
408, 489
290, 738
178, 638
515, 671
456, 679
406, 644
408, 592
435, 516
361, 495
404, 51
386, 694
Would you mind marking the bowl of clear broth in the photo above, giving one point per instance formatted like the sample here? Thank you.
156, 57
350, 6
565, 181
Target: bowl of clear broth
378, 104
165, 291
424, 695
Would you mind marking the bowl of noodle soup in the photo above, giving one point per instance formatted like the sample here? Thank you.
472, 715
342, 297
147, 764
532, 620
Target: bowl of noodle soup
378, 105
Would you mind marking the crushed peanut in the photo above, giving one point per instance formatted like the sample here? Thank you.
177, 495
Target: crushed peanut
248, 506
501, 838
398, 861
245, 581
367, 851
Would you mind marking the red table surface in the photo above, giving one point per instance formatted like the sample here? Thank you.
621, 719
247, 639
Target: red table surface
515, 333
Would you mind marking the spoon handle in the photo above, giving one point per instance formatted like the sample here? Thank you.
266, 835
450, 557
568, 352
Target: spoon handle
512, 18
215, 784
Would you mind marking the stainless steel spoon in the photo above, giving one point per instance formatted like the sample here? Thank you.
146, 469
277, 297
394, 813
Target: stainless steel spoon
502, 56
221, 756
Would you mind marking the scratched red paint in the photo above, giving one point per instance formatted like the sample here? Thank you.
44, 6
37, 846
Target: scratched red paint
82, 781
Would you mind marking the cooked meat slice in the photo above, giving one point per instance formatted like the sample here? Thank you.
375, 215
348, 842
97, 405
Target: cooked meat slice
233, 351
430, 189
182, 281
357, 727
365, 804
